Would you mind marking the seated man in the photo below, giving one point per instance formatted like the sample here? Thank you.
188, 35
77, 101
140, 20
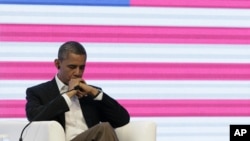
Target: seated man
85, 112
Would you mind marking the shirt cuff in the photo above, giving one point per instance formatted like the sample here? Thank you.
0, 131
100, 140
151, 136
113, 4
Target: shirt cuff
99, 96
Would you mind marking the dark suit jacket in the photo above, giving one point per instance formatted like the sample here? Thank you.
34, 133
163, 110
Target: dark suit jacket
44, 102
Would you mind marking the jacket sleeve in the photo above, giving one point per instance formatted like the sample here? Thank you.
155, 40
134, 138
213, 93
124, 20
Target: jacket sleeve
113, 112
40, 106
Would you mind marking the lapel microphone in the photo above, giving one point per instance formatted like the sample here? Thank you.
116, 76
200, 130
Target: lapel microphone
21, 135
75, 88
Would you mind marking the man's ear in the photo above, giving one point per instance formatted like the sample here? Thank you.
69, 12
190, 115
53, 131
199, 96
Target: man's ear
57, 63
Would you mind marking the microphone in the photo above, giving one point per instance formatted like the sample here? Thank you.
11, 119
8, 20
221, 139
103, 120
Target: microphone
21, 135
75, 88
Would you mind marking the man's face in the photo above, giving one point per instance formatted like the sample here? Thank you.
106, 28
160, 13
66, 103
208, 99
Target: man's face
71, 67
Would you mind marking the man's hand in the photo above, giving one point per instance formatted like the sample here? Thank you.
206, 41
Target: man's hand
87, 90
72, 85
83, 88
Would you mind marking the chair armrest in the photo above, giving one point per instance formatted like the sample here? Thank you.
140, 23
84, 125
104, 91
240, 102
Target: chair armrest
36, 131
44, 131
137, 131
53, 131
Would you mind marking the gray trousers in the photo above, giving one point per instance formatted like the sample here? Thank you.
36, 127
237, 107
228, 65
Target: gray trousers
100, 132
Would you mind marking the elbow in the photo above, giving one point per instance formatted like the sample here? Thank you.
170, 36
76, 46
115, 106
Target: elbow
126, 119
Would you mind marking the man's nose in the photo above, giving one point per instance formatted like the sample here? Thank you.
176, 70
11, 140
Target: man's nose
78, 71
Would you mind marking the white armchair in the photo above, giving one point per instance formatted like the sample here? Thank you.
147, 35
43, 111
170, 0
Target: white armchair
53, 131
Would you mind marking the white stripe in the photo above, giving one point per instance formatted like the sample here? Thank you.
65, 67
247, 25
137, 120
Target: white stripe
143, 16
115, 52
14, 89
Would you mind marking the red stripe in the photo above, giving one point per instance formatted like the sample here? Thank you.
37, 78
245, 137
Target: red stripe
193, 3
155, 108
123, 34
131, 71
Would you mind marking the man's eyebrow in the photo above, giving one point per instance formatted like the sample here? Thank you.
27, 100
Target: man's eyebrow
76, 65
71, 65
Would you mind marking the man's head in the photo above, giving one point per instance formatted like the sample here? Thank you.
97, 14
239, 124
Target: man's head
71, 61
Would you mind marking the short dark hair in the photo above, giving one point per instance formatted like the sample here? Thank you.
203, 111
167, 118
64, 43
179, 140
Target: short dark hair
70, 47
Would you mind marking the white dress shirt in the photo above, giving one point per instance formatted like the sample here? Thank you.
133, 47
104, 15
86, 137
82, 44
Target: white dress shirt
74, 121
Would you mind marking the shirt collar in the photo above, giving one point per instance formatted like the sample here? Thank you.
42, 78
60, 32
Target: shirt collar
59, 83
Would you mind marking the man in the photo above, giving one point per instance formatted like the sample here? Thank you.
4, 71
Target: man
85, 112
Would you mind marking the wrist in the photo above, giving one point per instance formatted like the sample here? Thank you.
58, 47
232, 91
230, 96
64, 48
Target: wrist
71, 93
96, 93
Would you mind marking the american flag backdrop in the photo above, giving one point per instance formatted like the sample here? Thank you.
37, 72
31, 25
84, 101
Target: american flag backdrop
183, 64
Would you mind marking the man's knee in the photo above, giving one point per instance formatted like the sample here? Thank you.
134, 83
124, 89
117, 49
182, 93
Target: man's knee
106, 125
105, 128
106, 132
